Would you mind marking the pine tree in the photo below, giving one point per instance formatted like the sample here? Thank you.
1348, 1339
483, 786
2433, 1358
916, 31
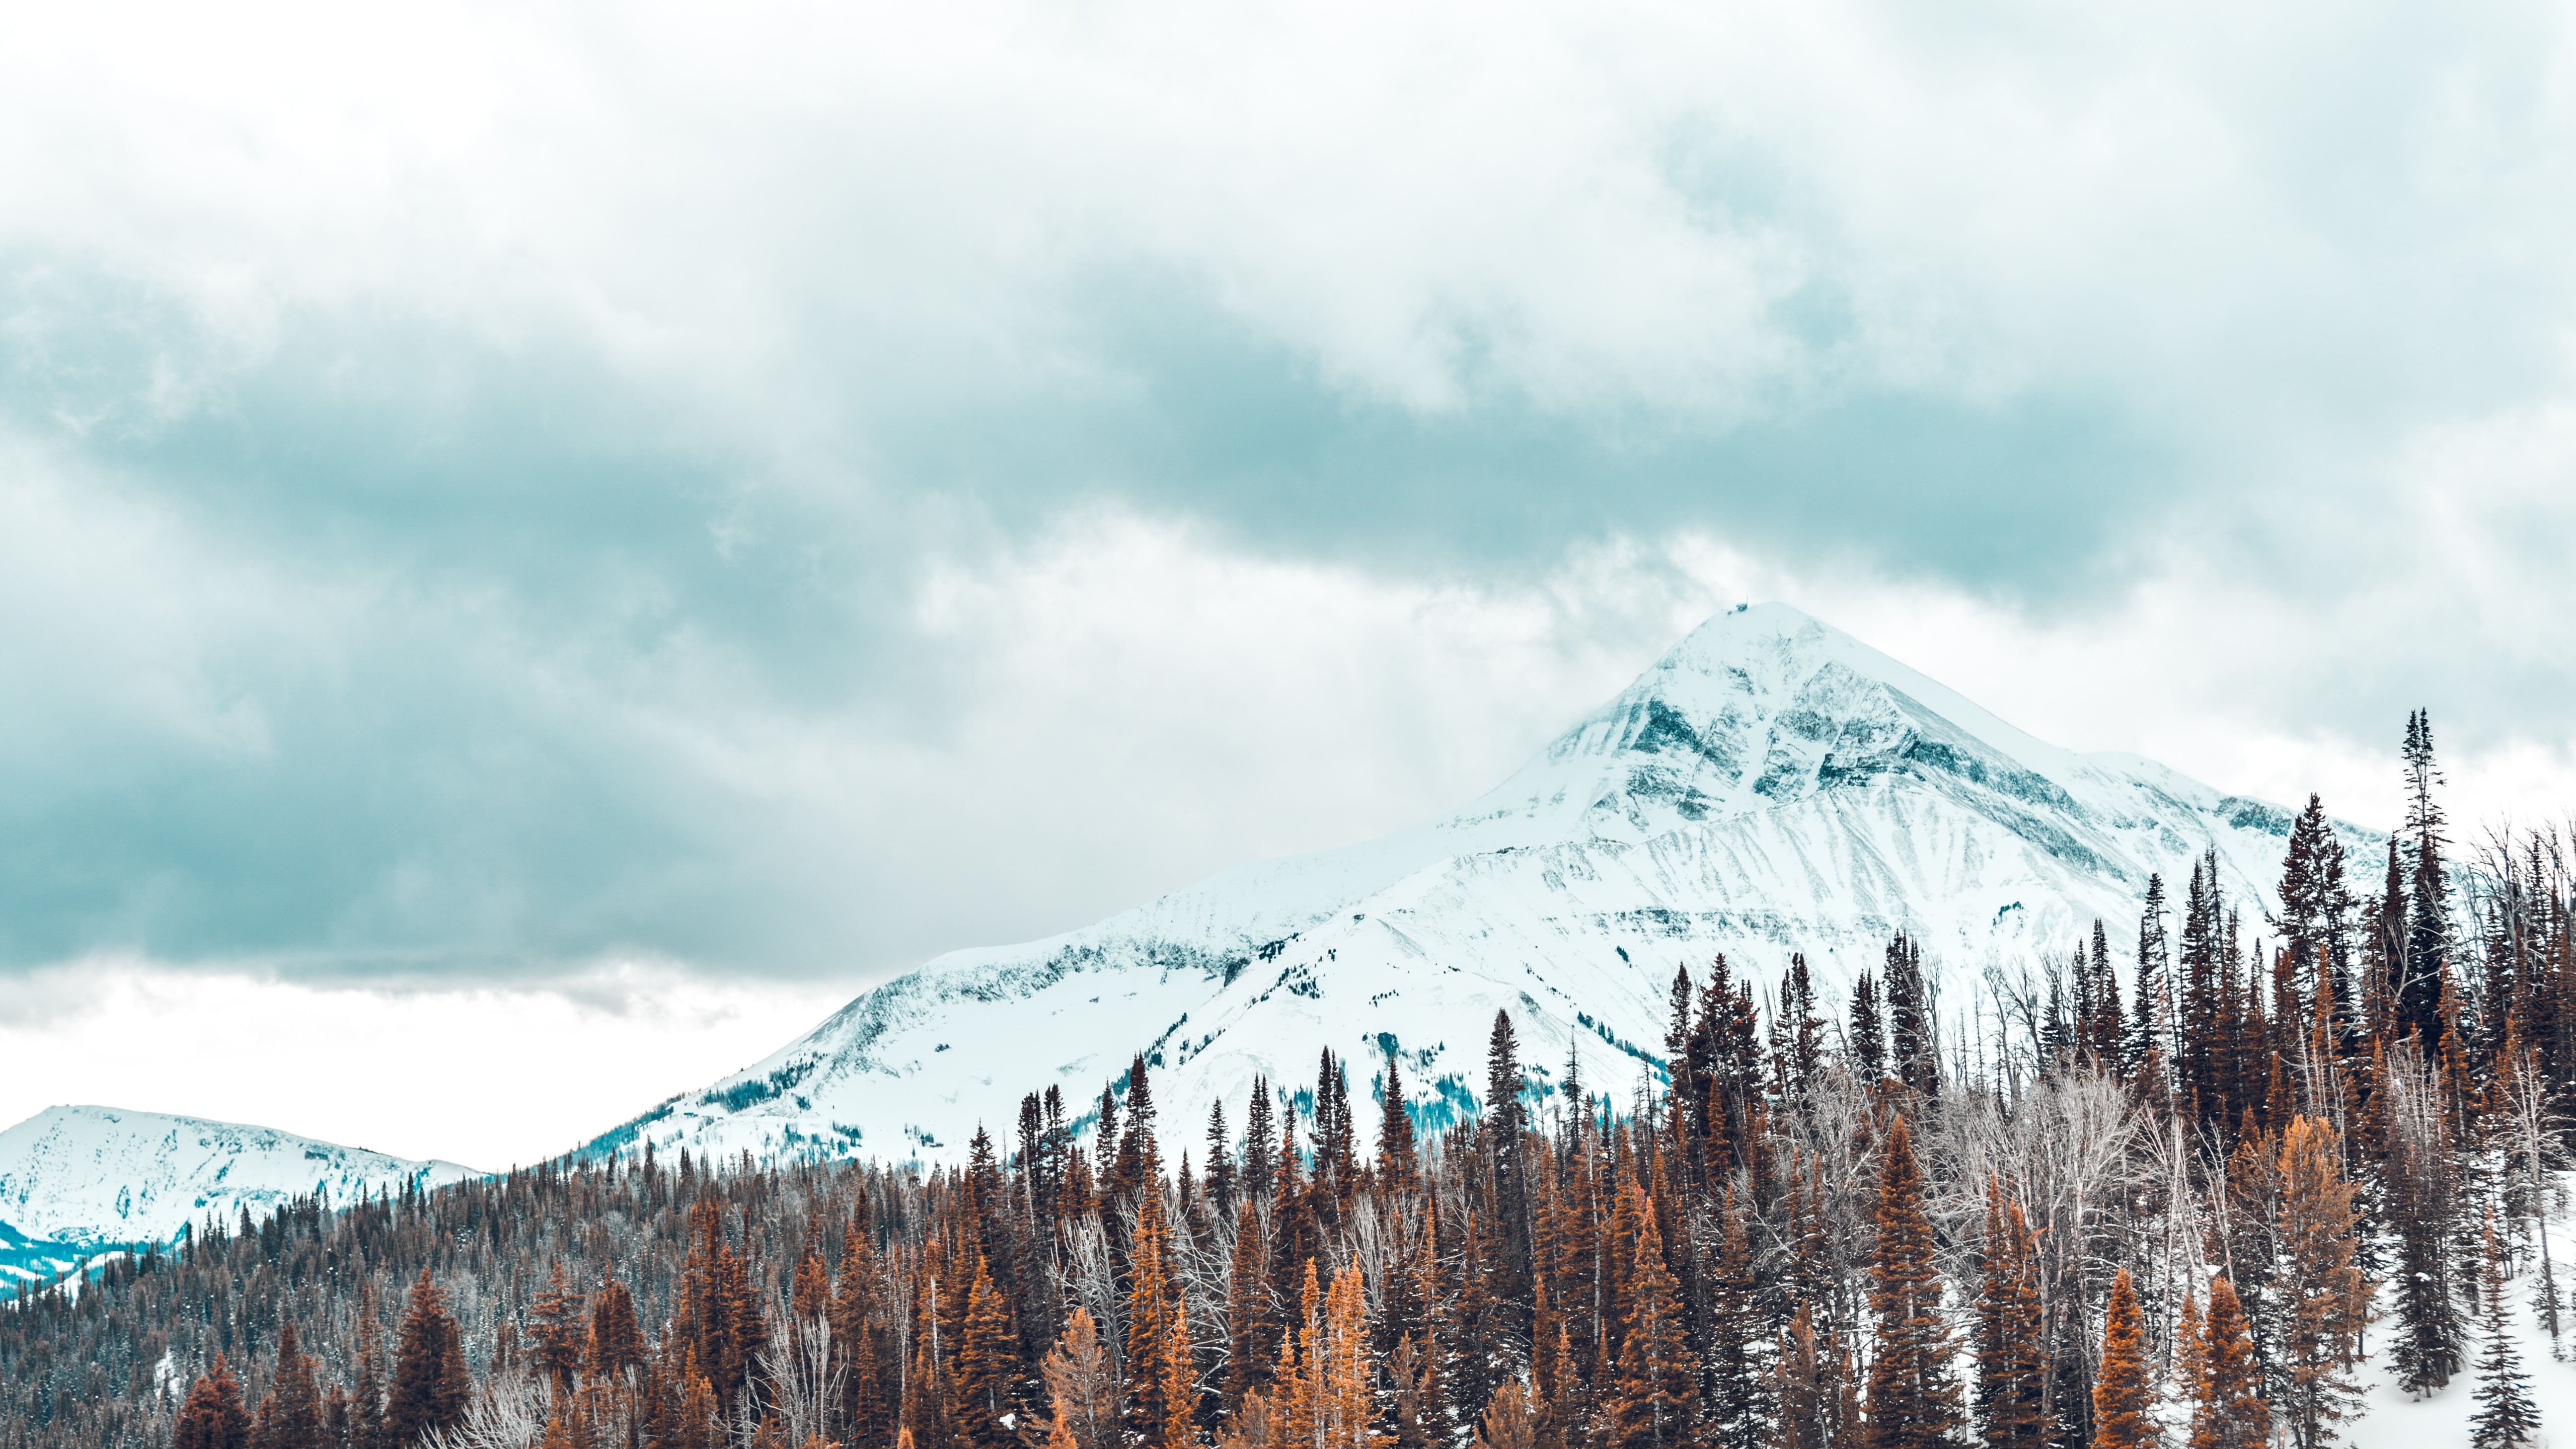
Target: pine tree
1913, 1020
1180, 1378
1082, 1387
1913, 1395
987, 1367
2228, 1411
2506, 1417
431, 1388
291, 1416
1867, 1040
2148, 1022
213, 1417
616, 1340
1398, 1166
1247, 1311
2306, 896
556, 1319
1506, 1119
1813, 1387
2428, 915
1510, 1421
1656, 1401
1153, 1300
1740, 1398
2012, 1369
1220, 1162
2325, 1301
2124, 1392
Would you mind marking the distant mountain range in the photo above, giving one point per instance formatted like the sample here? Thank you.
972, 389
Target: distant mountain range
1772, 785
77, 1181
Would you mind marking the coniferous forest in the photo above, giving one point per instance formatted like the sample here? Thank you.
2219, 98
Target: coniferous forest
2170, 1190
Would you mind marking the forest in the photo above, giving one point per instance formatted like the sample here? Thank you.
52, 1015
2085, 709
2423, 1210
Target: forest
2174, 1199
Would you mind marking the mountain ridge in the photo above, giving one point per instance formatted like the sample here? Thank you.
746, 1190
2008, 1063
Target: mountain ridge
78, 1179
1769, 785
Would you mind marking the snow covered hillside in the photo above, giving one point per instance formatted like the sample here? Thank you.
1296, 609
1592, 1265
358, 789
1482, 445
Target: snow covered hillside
1771, 785
74, 1179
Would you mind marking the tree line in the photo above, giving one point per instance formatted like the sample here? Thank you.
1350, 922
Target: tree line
2174, 1209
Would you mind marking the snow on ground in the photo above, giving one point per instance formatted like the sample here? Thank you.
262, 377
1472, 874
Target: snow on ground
2440, 1420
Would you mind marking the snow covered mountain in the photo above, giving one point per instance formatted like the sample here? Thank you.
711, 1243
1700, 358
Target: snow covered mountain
1771, 785
74, 1180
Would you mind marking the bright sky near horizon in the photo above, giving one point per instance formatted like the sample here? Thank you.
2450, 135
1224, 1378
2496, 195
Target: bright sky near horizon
563, 543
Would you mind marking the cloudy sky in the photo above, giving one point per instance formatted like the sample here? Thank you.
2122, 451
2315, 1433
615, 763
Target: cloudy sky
546, 548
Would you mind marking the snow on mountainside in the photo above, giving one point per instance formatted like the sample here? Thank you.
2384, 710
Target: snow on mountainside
1771, 785
75, 1178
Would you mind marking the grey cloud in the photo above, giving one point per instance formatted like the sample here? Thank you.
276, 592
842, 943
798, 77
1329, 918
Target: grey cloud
454, 568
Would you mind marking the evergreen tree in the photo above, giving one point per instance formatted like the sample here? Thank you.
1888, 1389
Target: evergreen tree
1913, 1018
291, 1416
1153, 1299
2506, 1417
1740, 1398
616, 1340
1867, 1041
987, 1367
1506, 1119
1398, 1166
2148, 1023
555, 1322
2228, 1410
1913, 1395
431, 1388
2325, 1301
1510, 1421
1816, 1411
1082, 1387
2428, 914
2124, 1391
213, 1416
2311, 886
1656, 1401
1220, 1162
2012, 1368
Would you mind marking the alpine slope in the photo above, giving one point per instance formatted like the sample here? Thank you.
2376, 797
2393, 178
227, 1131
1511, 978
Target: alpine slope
1770, 786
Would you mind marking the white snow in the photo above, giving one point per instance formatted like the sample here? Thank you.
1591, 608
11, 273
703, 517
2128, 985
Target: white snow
83, 1176
1771, 785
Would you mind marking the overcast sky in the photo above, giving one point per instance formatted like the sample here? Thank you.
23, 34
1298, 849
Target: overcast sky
550, 546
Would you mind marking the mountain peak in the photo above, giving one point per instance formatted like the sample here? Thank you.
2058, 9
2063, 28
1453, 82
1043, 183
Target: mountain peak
95, 1174
1770, 786
1791, 647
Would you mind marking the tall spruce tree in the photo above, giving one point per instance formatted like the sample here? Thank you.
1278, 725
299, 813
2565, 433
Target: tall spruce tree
1913, 1392
2149, 1021
2428, 913
431, 1388
2325, 1302
2506, 1417
2228, 1410
1913, 1018
2012, 1365
1867, 1041
291, 1416
2124, 1391
213, 1416
1740, 1400
1655, 1403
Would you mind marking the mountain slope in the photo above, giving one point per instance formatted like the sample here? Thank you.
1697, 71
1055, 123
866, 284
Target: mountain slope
1771, 785
73, 1179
